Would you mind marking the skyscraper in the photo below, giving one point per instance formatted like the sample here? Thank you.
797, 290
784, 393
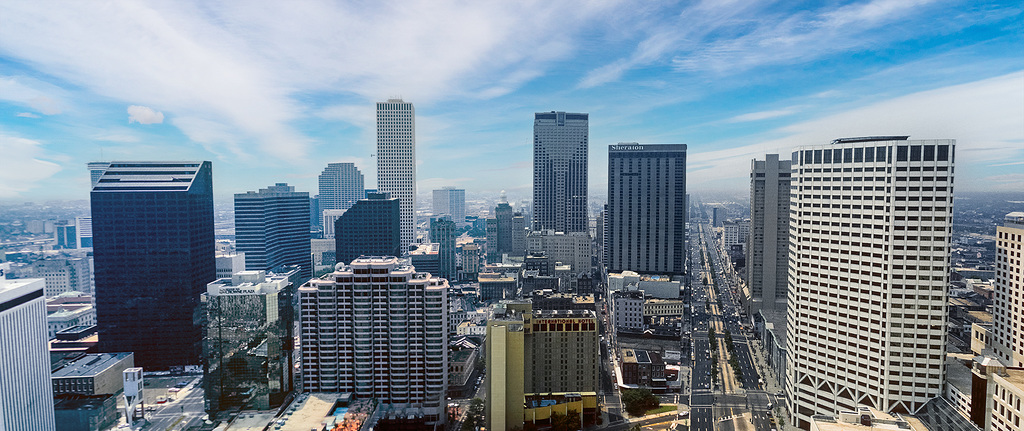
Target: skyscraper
560, 149
768, 242
443, 232
272, 228
646, 212
451, 201
506, 232
396, 159
370, 228
1008, 318
378, 329
26, 394
153, 243
341, 185
869, 250
96, 171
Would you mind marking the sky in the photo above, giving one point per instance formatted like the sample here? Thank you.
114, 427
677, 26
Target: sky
272, 91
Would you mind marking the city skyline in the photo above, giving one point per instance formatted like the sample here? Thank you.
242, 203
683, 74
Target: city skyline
237, 86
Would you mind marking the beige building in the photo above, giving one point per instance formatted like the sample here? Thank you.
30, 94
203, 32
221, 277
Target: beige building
1007, 396
1008, 325
664, 307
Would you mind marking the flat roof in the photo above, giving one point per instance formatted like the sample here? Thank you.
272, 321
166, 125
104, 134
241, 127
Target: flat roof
89, 365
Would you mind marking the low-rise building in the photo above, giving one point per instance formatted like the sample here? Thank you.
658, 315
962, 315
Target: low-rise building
427, 258
628, 310
664, 307
67, 310
642, 369
85, 412
655, 286
92, 374
495, 286
865, 418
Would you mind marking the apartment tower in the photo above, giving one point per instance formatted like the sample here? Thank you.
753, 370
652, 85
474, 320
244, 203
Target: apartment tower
869, 257
560, 150
646, 212
396, 160
26, 393
377, 329
768, 242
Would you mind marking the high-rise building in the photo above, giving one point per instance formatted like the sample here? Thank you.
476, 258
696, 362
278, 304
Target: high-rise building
330, 218
573, 249
272, 228
96, 170
371, 227
248, 340
869, 251
378, 329
65, 234
451, 201
83, 229
154, 253
1008, 318
443, 232
768, 242
26, 393
560, 150
646, 215
341, 185
506, 232
470, 260
396, 159
62, 275
315, 224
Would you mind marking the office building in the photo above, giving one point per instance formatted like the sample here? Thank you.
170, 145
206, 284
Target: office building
26, 397
426, 257
341, 185
248, 340
230, 263
324, 255
272, 228
378, 329
315, 224
396, 160
506, 232
573, 249
96, 170
1008, 318
62, 275
65, 235
768, 242
372, 227
505, 356
92, 374
495, 286
735, 233
470, 260
628, 310
329, 219
560, 151
646, 212
83, 229
869, 251
154, 253
443, 232
451, 201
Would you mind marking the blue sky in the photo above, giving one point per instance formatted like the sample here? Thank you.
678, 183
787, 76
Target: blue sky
273, 91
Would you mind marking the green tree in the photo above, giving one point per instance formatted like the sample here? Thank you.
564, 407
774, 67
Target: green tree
639, 401
567, 422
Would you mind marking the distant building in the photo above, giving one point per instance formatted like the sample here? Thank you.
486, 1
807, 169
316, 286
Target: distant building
67, 311
451, 201
228, 264
470, 260
735, 232
26, 396
155, 217
83, 230
443, 232
248, 341
330, 217
65, 235
272, 228
573, 249
371, 227
870, 224
324, 254
378, 329
92, 374
628, 310
654, 286
561, 144
62, 275
494, 286
396, 160
427, 258
341, 185
1008, 327
646, 212
768, 241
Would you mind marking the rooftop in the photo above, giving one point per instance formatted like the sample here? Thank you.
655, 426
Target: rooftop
90, 365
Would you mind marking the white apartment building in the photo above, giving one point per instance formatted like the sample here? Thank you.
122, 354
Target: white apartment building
26, 392
869, 257
1007, 316
378, 329
396, 160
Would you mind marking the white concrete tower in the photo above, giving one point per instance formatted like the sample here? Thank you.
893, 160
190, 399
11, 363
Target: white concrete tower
1008, 318
396, 160
869, 257
26, 393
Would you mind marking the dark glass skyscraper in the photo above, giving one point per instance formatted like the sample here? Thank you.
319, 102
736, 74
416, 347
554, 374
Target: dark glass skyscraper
153, 244
372, 227
443, 232
646, 212
272, 228
560, 149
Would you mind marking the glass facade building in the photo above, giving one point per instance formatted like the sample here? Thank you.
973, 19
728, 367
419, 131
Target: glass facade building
272, 228
372, 227
153, 247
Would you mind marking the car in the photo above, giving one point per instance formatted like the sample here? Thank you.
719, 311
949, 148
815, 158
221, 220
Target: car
683, 414
182, 384
161, 399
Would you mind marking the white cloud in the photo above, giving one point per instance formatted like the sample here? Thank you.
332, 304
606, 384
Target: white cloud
985, 117
30, 93
27, 115
24, 165
762, 115
144, 115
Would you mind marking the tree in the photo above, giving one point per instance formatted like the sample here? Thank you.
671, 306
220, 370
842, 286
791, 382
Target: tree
639, 401
567, 422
